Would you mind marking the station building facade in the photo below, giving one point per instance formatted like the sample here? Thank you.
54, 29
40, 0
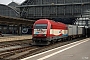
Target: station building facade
66, 11
10, 10
59, 10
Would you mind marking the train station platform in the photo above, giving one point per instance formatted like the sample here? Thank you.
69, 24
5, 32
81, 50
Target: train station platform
79, 50
11, 37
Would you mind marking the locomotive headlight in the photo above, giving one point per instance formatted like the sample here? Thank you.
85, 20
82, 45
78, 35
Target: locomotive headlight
44, 34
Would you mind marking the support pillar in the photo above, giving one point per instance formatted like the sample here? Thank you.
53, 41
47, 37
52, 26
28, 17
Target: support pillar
8, 29
20, 29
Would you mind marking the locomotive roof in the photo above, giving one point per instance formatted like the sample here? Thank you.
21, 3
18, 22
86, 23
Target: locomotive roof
47, 20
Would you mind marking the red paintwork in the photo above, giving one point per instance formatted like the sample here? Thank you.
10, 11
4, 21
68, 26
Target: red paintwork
55, 25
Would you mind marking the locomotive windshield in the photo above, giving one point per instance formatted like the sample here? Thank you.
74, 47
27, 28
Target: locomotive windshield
40, 26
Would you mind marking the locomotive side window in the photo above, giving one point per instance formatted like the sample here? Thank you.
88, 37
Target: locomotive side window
40, 26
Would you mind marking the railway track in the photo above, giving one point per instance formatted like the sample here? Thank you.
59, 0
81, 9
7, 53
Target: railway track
15, 43
25, 51
9, 54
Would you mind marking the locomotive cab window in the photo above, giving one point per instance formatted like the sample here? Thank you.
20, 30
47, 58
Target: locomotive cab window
40, 26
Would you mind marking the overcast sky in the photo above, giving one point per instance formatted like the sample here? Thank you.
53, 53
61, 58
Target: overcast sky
8, 1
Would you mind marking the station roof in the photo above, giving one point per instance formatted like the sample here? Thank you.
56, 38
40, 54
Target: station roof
66, 4
15, 21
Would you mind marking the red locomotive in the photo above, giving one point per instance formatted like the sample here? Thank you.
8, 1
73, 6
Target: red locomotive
46, 31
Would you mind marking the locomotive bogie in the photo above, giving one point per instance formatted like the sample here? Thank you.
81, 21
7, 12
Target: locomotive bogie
41, 41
